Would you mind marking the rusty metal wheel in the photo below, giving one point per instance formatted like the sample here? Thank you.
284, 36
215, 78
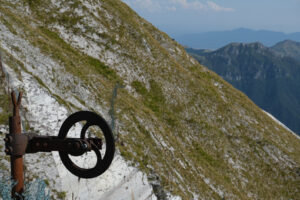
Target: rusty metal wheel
103, 162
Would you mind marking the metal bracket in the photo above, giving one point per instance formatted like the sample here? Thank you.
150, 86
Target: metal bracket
73, 146
16, 144
21, 144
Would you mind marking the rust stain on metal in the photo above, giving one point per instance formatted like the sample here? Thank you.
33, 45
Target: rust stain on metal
18, 144
16, 161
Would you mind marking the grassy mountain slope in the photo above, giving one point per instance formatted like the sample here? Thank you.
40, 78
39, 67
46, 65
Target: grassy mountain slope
271, 81
178, 122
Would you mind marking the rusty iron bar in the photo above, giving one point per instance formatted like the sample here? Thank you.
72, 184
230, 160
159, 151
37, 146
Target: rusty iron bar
16, 161
18, 144
21, 144
73, 146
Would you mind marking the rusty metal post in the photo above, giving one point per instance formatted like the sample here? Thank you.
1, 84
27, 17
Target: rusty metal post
16, 161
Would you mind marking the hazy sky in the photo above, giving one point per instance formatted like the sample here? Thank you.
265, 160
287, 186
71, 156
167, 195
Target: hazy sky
177, 17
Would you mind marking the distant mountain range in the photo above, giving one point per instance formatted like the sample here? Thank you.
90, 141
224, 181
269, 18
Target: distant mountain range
216, 39
269, 76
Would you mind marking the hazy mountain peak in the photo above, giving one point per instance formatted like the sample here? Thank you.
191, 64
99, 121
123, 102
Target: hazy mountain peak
288, 42
288, 48
237, 48
246, 45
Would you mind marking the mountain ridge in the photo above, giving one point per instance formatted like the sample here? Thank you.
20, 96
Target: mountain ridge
265, 74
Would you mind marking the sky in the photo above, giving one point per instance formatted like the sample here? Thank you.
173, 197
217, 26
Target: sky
177, 17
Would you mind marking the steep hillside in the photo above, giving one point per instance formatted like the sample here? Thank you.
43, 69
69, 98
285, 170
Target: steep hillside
182, 131
270, 80
288, 48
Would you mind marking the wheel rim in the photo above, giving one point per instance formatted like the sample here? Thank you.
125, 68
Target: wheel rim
91, 119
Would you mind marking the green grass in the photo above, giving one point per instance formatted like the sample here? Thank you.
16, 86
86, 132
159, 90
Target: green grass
154, 98
139, 87
33, 3
79, 62
101, 68
60, 195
